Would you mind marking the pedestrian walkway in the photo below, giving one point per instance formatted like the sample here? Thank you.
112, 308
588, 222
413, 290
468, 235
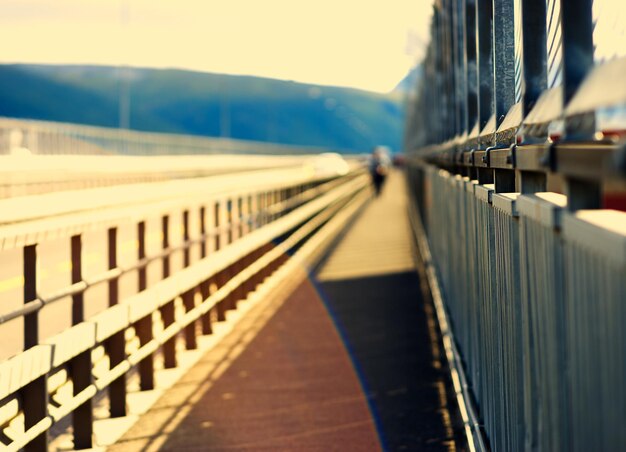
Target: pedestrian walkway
344, 363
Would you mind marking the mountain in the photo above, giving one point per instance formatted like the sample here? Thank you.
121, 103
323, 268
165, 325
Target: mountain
410, 81
179, 101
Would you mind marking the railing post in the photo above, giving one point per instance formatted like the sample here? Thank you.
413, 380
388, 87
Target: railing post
229, 220
460, 66
577, 38
190, 330
205, 320
484, 21
167, 311
504, 57
472, 63
535, 54
205, 291
35, 394
116, 344
203, 242
240, 214
80, 366
187, 249
217, 224
577, 31
504, 180
143, 327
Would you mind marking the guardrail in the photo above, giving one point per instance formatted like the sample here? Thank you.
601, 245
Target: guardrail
232, 240
517, 143
535, 296
26, 136
35, 174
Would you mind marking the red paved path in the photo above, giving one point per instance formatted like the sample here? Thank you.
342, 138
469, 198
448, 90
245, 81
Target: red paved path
294, 387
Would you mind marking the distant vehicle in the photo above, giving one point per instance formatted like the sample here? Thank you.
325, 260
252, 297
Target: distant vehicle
329, 164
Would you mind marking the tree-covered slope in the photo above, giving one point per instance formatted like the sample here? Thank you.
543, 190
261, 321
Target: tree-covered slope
242, 107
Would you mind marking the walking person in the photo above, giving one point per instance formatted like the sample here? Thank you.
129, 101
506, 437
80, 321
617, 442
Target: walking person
379, 168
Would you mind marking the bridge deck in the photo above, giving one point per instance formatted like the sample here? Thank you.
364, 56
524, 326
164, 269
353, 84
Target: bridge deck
343, 363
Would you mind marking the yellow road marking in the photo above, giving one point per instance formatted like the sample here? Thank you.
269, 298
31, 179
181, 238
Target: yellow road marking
11, 283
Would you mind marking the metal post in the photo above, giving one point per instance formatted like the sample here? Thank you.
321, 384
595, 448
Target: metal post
472, 63
80, 366
485, 176
167, 311
221, 279
191, 342
218, 233
229, 220
144, 326
187, 249
203, 242
484, 27
165, 244
504, 57
534, 53
529, 182
577, 45
205, 291
31, 321
577, 32
78, 305
35, 394
116, 344
504, 180
460, 65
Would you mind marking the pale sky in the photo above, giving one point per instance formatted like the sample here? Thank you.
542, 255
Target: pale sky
368, 44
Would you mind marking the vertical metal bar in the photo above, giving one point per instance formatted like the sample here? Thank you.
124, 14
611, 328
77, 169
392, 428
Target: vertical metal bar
485, 176
471, 63
205, 291
144, 326
191, 342
80, 366
229, 220
504, 180
529, 182
534, 53
31, 321
78, 305
116, 344
187, 249
142, 279
240, 214
165, 244
452, 69
205, 320
221, 279
35, 394
484, 27
217, 219
167, 311
583, 194
504, 57
577, 34
203, 243
460, 64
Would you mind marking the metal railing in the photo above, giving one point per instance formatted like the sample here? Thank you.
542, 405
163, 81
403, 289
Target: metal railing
233, 239
26, 136
517, 145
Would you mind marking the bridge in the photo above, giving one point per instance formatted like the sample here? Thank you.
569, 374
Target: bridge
163, 292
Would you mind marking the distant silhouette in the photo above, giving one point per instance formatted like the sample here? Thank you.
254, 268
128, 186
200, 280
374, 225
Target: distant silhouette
379, 166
